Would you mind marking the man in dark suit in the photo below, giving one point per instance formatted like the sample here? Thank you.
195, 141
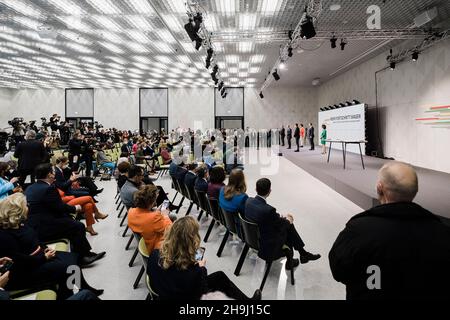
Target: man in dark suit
201, 184
29, 153
297, 137
275, 230
282, 135
289, 136
397, 250
50, 216
311, 136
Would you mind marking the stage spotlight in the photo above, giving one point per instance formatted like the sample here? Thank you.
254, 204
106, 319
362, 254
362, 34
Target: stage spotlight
224, 95
333, 42
355, 102
261, 95
209, 57
343, 44
329, 108
290, 33
393, 65
198, 19
290, 54
222, 91
348, 103
198, 43
307, 28
189, 27
415, 56
276, 76
221, 84
342, 105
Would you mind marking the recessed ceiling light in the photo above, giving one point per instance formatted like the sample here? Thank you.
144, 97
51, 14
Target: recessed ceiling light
335, 7
300, 51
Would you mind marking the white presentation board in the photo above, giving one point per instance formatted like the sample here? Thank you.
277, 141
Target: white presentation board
154, 102
348, 124
79, 103
232, 105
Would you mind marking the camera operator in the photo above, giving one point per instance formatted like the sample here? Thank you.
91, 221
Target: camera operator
18, 130
87, 153
30, 154
64, 131
75, 151
54, 122
32, 126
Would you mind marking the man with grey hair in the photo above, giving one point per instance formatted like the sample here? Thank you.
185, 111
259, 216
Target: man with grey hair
397, 250
30, 154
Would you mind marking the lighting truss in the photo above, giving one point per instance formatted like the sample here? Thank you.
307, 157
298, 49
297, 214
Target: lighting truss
193, 9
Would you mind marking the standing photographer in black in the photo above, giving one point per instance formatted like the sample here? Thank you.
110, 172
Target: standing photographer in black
87, 153
30, 154
75, 151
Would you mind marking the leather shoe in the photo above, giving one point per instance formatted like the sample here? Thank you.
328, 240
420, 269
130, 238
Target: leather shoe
292, 264
305, 258
257, 295
91, 258
98, 191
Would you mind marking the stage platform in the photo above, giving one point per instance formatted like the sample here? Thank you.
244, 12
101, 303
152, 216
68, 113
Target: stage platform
358, 185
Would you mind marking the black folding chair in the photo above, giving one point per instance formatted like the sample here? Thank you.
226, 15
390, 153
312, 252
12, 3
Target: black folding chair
213, 208
229, 220
202, 199
251, 237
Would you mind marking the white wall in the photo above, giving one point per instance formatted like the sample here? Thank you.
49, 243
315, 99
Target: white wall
280, 106
404, 95
5, 107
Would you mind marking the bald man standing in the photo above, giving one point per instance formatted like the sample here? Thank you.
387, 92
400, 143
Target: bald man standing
397, 250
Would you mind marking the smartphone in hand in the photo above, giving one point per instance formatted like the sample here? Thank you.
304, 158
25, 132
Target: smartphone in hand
200, 254
6, 267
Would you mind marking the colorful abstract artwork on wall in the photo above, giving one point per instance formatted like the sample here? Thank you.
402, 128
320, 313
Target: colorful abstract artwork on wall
437, 116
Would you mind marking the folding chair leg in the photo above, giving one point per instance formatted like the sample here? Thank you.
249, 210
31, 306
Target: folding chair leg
125, 232
211, 226
118, 206
200, 215
173, 200
222, 245
123, 219
149, 297
136, 252
139, 277
266, 273
292, 276
190, 208
179, 206
120, 212
241, 260
129, 243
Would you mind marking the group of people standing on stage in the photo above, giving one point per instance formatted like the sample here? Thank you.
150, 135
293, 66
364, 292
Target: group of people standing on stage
300, 133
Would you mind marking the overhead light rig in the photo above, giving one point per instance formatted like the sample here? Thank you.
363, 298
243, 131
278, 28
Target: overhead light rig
197, 31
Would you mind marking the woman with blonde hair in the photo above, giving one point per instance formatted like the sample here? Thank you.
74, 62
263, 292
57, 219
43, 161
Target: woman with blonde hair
34, 264
178, 272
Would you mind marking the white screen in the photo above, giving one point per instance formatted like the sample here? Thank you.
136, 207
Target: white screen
154, 102
79, 103
232, 105
348, 124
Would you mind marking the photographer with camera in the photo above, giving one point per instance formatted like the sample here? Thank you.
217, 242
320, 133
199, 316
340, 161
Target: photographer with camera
54, 122
30, 154
75, 151
87, 153
18, 127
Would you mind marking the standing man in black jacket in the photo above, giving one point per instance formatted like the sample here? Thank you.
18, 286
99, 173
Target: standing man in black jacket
297, 137
289, 136
30, 154
311, 136
50, 216
397, 250
75, 151
282, 135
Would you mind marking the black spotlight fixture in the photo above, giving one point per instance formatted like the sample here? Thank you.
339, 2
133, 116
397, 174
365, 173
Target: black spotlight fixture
342, 105
209, 57
290, 53
322, 109
225, 93
333, 42
348, 103
290, 34
307, 28
415, 56
343, 44
276, 76
261, 95
198, 20
189, 27
393, 65
329, 107
355, 102
222, 91
221, 84
198, 43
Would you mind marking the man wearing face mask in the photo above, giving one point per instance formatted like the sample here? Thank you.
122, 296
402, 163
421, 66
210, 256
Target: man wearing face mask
50, 216
397, 250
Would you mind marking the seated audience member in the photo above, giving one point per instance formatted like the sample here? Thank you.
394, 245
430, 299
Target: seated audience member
405, 245
34, 264
201, 184
124, 157
181, 173
165, 154
88, 207
50, 217
123, 174
233, 196
175, 274
191, 176
146, 220
275, 230
75, 185
7, 187
103, 160
173, 167
216, 182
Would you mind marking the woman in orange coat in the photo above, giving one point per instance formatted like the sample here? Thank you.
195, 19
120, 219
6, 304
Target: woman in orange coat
150, 223
90, 210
